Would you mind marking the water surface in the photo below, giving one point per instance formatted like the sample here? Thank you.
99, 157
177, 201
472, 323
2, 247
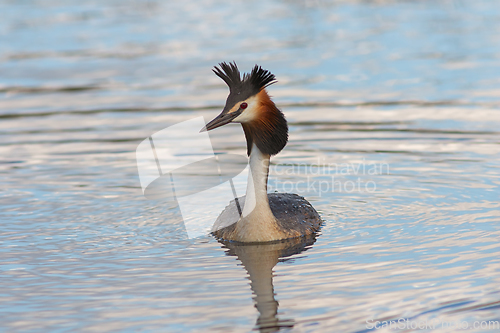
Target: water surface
411, 87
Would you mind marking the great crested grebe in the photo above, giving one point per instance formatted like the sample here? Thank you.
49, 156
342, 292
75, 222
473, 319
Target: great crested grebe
265, 217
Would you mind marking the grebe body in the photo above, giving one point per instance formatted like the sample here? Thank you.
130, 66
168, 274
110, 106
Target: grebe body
293, 215
264, 217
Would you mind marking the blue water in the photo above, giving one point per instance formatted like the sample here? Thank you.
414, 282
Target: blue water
412, 86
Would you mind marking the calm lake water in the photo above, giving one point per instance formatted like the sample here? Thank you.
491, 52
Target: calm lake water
400, 99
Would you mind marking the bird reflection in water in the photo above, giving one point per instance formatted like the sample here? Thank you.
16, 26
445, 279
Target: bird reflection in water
259, 260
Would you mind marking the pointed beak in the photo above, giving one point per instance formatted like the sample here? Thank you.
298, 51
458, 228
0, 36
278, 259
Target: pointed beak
221, 120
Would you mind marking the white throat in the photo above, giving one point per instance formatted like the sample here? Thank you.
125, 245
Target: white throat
256, 195
257, 223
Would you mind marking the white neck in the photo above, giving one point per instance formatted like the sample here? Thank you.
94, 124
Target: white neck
256, 196
257, 223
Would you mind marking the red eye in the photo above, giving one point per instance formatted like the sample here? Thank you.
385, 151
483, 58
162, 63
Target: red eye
243, 105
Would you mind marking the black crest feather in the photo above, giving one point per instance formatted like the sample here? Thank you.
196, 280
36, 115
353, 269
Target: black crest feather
229, 73
260, 78
250, 84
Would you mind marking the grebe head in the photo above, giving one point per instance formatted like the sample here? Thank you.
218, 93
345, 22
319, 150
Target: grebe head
249, 104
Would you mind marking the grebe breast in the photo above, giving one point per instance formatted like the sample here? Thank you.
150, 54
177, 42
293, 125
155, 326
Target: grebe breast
294, 215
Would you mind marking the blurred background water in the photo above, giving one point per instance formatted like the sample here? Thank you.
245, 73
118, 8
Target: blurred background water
413, 85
